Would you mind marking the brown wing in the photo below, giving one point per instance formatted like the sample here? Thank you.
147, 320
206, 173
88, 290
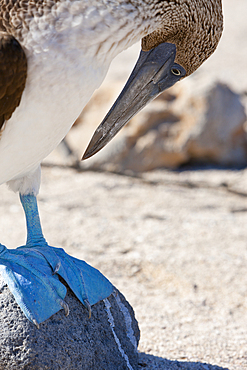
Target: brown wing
13, 73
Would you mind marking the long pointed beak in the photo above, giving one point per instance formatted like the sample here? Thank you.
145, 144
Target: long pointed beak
154, 72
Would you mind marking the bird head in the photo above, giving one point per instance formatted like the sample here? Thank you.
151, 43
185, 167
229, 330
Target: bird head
188, 32
194, 26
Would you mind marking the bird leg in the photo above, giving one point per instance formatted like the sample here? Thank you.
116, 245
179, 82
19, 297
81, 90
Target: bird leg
34, 231
32, 273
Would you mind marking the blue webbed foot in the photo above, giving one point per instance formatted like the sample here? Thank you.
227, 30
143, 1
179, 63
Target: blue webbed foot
32, 279
32, 273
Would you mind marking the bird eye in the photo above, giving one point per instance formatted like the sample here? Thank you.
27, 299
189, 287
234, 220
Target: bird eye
176, 71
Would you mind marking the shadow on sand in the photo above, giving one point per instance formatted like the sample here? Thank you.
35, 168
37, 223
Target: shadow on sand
151, 362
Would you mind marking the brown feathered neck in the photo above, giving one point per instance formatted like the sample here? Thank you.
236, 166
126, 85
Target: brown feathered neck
194, 26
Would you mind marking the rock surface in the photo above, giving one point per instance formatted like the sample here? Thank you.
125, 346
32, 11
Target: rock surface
106, 341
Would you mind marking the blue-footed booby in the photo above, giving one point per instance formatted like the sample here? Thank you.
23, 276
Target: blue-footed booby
53, 55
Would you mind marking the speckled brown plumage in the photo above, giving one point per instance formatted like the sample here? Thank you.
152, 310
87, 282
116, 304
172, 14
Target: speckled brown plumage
13, 73
16, 14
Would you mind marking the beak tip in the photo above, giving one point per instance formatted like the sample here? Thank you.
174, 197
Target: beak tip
95, 144
86, 155
89, 152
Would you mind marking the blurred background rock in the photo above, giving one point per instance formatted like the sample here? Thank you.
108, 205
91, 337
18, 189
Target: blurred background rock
201, 120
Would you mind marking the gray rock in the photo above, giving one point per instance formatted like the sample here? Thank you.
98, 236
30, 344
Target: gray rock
106, 341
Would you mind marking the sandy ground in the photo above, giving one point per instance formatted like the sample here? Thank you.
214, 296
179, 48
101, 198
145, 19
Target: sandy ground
175, 243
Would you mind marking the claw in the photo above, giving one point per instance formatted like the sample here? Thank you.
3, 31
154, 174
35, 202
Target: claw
57, 267
36, 323
65, 307
88, 307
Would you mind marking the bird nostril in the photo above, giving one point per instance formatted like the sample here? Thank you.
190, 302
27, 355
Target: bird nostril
176, 71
